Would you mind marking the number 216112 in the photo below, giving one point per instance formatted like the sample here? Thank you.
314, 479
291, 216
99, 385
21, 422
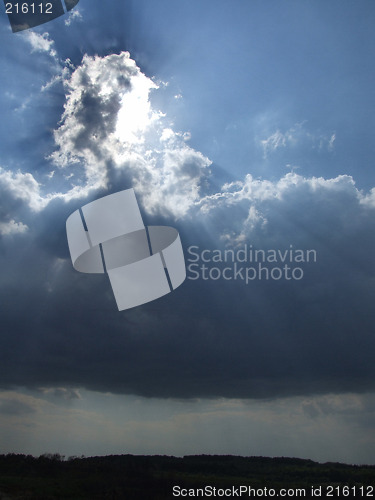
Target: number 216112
25, 8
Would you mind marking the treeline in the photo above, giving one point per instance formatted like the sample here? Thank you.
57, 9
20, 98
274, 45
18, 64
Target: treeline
129, 477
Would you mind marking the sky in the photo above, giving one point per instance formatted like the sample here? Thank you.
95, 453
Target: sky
247, 126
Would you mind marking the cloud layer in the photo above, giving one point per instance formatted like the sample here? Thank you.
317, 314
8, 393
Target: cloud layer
210, 338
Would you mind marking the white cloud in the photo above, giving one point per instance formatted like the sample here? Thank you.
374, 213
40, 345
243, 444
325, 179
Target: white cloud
258, 190
12, 227
274, 141
41, 43
369, 199
74, 15
297, 136
23, 186
331, 145
245, 206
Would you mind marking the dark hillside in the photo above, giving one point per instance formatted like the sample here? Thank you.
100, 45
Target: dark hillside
50, 477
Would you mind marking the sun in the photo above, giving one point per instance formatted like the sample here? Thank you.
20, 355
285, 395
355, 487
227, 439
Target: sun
136, 115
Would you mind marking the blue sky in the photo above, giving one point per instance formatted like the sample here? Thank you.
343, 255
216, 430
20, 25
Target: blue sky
239, 123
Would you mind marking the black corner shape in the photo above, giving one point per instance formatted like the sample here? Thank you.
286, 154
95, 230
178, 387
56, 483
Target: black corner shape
25, 14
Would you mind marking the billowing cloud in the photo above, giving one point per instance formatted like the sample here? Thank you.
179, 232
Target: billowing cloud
255, 200
110, 133
24, 187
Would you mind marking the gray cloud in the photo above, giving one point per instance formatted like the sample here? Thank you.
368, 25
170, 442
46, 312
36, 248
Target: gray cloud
15, 407
209, 338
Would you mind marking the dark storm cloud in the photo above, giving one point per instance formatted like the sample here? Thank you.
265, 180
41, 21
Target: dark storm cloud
207, 338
